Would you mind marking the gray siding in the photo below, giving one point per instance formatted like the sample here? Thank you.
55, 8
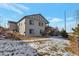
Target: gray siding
21, 26
36, 27
25, 26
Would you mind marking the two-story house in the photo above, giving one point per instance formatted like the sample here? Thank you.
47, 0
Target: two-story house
31, 25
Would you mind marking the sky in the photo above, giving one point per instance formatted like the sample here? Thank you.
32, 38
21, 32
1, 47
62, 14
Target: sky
53, 12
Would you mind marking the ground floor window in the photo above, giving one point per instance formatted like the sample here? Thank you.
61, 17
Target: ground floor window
41, 31
31, 31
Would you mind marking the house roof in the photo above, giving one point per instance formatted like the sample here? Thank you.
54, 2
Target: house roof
12, 22
34, 15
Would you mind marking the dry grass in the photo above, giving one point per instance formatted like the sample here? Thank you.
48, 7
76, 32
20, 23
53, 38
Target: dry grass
19, 36
69, 49
74, 51
73, 44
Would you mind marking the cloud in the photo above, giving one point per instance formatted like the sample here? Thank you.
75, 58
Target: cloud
59, 22
56, 20
22, 7
18, 8
70, 18
62, 20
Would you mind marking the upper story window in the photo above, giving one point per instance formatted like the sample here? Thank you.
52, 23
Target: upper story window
40, 24
31, 22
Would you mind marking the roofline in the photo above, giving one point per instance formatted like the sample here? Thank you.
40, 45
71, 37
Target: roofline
33, 15
11, 22
44, 18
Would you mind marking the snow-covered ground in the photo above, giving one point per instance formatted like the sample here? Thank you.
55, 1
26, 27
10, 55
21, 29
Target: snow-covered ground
16, 48
47, 46
53, 47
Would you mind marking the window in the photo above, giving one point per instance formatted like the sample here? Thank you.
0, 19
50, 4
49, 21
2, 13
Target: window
40, 24
31, 31
41, 31
31, 22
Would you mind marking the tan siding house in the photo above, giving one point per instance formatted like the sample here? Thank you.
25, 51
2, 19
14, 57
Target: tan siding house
12, 26
32, 25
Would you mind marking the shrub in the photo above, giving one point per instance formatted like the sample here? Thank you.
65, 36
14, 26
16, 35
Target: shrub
50, 31
64, 34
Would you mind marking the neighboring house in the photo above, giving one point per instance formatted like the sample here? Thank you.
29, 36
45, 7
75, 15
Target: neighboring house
12, 26
1, 30
31, 25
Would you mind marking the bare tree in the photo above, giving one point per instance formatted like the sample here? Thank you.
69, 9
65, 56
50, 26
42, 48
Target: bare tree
65, 20
76, 17
1, 21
